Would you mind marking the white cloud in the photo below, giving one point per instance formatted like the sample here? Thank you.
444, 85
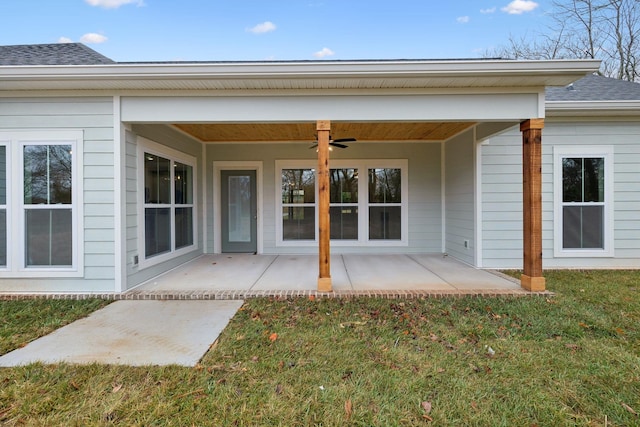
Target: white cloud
518, 7
65, 40
487, 11
93, 38
463, 19
324, 52
265, 27
113, 4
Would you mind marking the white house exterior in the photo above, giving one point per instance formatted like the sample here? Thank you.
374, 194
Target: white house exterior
117, 172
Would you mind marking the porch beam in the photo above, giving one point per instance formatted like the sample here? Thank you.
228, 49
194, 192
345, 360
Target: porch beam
532, 279
323, 127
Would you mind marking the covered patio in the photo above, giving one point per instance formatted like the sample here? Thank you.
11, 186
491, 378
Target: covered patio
421, 122
355, 274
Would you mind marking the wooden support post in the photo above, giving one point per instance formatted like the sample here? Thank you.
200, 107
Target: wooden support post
324, 226
532, 279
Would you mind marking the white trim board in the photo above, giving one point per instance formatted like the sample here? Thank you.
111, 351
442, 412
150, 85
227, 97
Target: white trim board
477, 158
119, 203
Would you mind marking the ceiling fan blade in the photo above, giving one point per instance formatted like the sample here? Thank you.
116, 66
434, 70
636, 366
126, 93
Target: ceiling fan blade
313, 146
345, 140
338, 145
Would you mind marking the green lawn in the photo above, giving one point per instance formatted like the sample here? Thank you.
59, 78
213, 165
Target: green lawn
23, 321
573, 359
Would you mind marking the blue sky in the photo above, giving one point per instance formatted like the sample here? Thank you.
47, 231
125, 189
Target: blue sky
166, 30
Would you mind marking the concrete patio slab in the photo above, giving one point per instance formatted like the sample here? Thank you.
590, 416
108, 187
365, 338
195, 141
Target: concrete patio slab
214, 272
462, 276
136, 333
300, 272
391, 272
349, 273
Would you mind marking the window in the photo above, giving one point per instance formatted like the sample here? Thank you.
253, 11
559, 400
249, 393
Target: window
41, 226
298, 204
168, 207
385, 204
47, 204
343, 203
367, 202
183, 183
583, 189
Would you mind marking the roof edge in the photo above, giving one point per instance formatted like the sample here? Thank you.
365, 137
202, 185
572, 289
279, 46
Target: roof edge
457, 72
580, 65
593, 108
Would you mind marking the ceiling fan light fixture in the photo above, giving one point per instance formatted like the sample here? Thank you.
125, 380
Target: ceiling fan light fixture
317, 149
335, 143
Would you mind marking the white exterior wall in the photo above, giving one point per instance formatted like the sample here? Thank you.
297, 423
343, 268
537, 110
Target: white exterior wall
459, 197
502, 200
177, 141
424, 204
94, 117
502, 193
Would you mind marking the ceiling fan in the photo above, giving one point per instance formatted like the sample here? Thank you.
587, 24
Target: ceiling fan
335, 142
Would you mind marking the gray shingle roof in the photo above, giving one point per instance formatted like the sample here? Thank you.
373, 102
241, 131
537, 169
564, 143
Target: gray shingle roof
51, 54
595, 88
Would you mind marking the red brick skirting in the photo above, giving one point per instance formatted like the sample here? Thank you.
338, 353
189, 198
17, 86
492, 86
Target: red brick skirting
241, 295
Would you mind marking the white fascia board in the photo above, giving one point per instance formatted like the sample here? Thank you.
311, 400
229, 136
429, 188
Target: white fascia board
310, 68
592, 108
557, 72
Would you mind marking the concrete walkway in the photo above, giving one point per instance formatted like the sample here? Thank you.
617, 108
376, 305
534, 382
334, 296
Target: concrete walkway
136, 333
357, 273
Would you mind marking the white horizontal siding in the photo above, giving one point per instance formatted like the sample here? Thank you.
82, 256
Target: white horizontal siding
502, 239
94, 116
459, 196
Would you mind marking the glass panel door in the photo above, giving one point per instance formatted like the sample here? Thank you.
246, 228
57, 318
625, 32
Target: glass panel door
239, 211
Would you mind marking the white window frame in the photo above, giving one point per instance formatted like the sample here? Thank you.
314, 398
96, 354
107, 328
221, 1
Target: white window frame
294, 164
15, 141
145, 145
600, 151
348, 205
5, 141
363, 166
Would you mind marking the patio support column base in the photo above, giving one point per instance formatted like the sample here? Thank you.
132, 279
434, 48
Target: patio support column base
533, 284
324, 284
532, 279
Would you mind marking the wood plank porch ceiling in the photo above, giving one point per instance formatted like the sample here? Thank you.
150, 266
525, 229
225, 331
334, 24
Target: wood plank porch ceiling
290, 132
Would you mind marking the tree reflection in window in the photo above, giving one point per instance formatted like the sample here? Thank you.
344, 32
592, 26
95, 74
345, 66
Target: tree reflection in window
583, 179
343, 210
47, 174
385, 186
583, 203
298, 187
385, 204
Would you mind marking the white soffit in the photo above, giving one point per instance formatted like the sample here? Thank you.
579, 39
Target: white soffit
309, 75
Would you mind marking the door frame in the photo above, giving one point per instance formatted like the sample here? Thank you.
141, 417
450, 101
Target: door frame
217, 202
